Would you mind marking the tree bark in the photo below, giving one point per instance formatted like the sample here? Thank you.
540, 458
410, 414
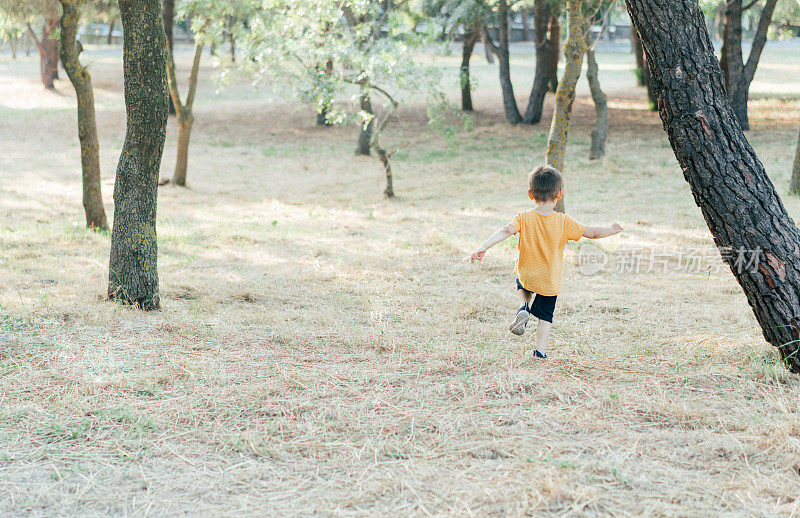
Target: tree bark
470, 38
642, 72
504, 59
553, 47
387, 169
547, 34
87, 125
794, 183
738, 74
13, 44
600, 131
365, 131
322, 115
738, 201
486, 50
110, 34
168, 15
526, 30
48, 48
133, 268
184, 112
565, 95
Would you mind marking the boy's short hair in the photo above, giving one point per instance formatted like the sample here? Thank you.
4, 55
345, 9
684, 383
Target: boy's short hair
545, 182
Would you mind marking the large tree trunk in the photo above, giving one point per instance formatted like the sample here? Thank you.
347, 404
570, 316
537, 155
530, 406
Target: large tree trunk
738, 74
642, 72
600, 131
547, 38
504, 59
168, 14
470, 38
739, 203
133, 270
794, 183
565, 95
184, 109
365, 130
87, 125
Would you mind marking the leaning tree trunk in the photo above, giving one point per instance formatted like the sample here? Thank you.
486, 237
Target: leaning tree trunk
168, 14
470, 38
133, 270
87, 125
501, 50
738, 74
600, 131
365, 131
794, 183
110, 35
547, 35
642, 72
184, 112
739, 203
565, 95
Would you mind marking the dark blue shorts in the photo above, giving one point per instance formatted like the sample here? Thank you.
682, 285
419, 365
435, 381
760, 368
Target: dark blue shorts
542, 306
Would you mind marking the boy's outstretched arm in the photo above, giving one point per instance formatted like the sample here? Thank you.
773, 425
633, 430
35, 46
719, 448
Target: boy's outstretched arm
600, 232
504, 233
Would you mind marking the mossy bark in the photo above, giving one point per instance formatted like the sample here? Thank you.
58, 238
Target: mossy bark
133, 266
184, 112
600, 131
794, 183
87, 125
565, 94
743, 211
548, 43
168, 15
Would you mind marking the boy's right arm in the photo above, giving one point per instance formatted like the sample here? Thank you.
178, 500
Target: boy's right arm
504, 233
601, 232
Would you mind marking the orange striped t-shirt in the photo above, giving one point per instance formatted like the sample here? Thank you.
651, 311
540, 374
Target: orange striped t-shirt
542, 240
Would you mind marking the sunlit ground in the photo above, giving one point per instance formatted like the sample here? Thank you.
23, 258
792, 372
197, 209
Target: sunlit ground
323, 350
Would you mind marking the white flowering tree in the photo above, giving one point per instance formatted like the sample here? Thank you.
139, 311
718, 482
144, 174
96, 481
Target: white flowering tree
341, 56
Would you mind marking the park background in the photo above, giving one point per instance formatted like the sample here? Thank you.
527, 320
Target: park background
321, 349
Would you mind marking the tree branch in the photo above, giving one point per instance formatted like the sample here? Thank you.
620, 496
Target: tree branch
33, 35
759, 40
490, 42
751, 4
198, 52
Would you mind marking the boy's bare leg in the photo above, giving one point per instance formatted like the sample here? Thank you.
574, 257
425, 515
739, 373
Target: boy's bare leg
526, 297
543, 335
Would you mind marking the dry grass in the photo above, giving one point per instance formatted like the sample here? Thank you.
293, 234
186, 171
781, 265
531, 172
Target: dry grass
323, 351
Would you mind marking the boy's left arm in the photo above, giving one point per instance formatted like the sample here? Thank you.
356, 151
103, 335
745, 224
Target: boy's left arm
601, 232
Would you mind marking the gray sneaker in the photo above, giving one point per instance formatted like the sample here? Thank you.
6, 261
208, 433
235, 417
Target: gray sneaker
520, 321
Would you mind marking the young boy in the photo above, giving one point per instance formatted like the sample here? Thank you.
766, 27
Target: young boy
543, 233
